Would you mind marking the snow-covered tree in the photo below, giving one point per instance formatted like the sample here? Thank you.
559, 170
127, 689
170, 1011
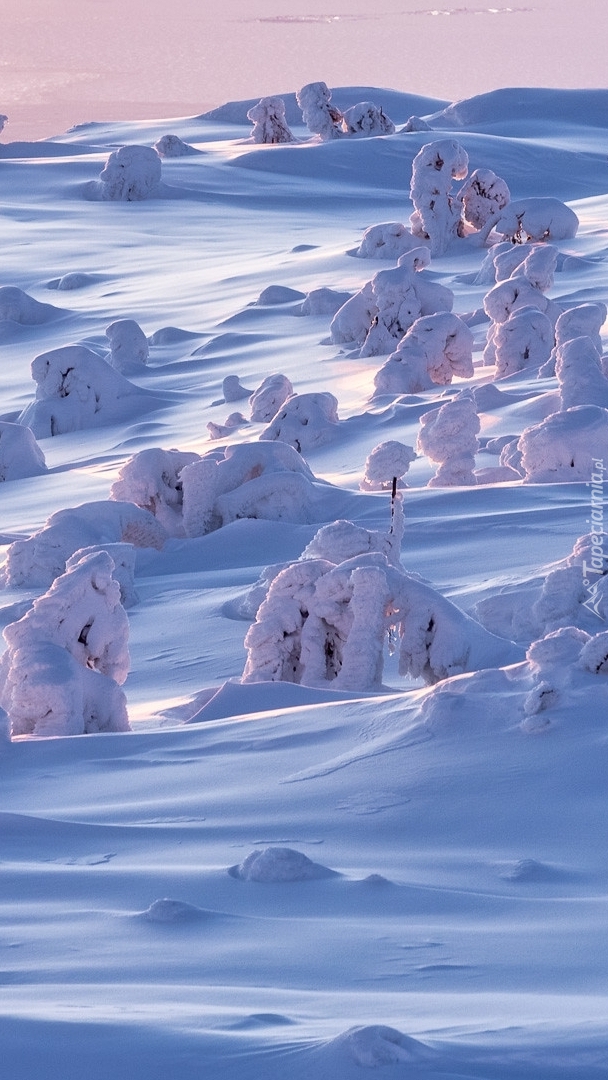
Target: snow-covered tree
129, 349
267, 399
258, 480
37, 561
524, 340
384, 310
77, 389
579, 374
67, 656
484, 196
559, 448
304, 421
269, 123
388, 461
123, 557
507, 298
365, 118
151, 479
434, 350
437, 210
583, 320
388, 240
130, 174
538, 220
320, 116
326, 623
448, 436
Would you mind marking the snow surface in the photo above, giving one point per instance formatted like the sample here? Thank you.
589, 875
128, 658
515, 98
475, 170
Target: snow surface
267, 879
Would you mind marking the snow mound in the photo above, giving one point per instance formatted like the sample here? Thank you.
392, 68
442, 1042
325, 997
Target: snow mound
167, 912
376, 1045
387, 240
20, 454
279, 864
171, 146
17, 306
267, 399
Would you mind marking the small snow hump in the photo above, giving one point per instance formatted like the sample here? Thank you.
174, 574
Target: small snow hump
172, 911
279, 864
377, 1044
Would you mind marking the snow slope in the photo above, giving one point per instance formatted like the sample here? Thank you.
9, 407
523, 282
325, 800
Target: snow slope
268, 879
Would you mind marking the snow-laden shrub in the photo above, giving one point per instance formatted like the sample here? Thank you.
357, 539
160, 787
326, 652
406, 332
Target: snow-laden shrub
320, 116
579, 374
365, 118
77, 389
128, 345
506, 299
342, 540
387, 461
538, 220
559, 602
304, 421
559, 649
560, 447
130, 174
19, 307
537, 262
448, 436
67, 655
584, 320
434, 350
401, 296
594, 654
171, 146
257, 480
351, 323
524, 340
484, 196
20, 454
388, 240
269, 123
266, 401
123, 557
326, 624
151, 479
552, 660
37, 561
385, 308
437, 211
511, 295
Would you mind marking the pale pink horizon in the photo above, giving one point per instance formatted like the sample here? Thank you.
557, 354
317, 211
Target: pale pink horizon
139, 59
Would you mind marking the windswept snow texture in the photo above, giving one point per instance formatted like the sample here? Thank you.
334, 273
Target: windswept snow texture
306, 772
